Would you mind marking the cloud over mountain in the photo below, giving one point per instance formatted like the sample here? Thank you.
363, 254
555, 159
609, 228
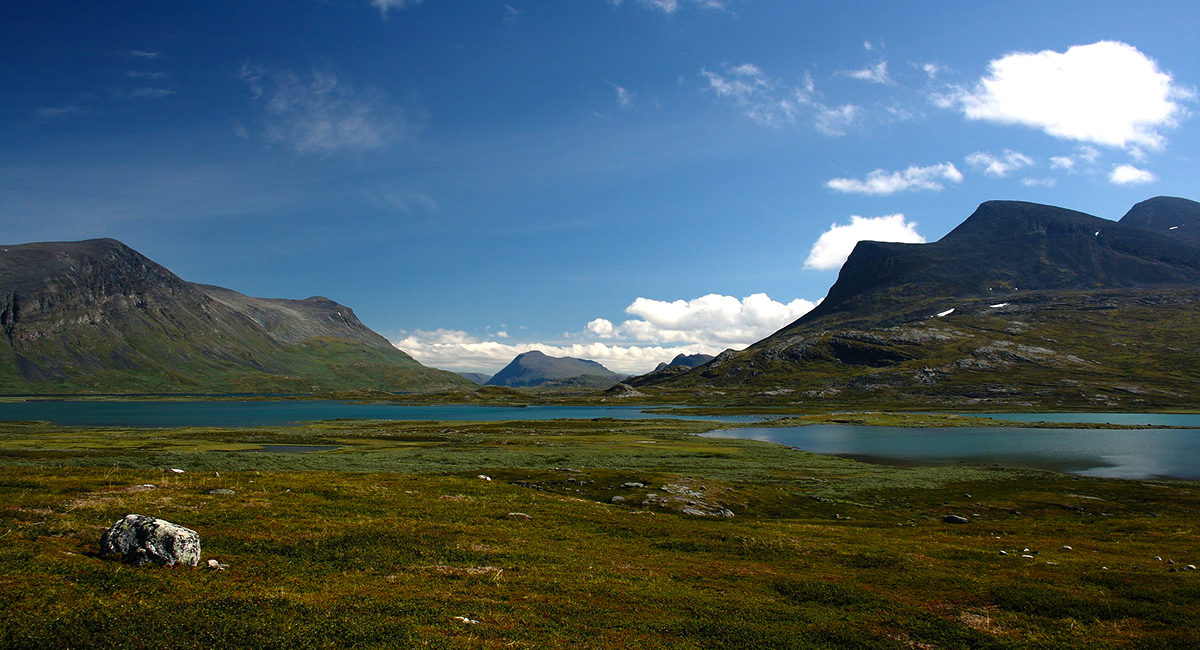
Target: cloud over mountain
835, 245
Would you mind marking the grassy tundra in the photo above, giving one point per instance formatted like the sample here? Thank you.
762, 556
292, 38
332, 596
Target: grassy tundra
394, 540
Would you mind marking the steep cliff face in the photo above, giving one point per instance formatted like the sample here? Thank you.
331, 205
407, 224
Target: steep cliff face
1006, 247
97, 316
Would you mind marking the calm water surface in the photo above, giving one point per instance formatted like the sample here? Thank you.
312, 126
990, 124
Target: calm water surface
157, 414
1134, 454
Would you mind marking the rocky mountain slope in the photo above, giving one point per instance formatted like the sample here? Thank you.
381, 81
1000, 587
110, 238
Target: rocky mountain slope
539, 369
1022, 305
98, 317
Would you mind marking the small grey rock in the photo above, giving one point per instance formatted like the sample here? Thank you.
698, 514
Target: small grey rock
221, 491
617, 499
955, 519
632, 485
140, 540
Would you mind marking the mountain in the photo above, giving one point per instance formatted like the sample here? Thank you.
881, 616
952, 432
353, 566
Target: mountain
538, 369
474, 377
1167, 215
98, 317
679, 365
1021, 304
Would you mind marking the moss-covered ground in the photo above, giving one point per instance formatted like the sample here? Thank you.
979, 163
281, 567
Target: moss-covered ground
394, 540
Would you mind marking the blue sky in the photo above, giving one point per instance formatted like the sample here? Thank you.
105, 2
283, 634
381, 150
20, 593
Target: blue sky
616, 180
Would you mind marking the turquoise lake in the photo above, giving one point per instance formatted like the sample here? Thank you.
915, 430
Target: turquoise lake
1144, 453
158, 414
1111, 453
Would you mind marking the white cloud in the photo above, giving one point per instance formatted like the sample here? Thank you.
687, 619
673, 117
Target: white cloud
763, 101
144, 54
671, 6
455, 350
713, 320
932, 70
877, 74
386, 5
602, 327
880, 182
1130, 175
1106, 93
56, 111
834, 120
322, 113
1065, 163
836, 244
624, 96
999, 166
750, 89
151, 93
1039, 182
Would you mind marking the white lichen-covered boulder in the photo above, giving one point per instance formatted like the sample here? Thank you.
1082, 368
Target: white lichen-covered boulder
139, 540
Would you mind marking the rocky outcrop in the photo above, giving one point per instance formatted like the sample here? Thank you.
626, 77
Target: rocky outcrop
140, 540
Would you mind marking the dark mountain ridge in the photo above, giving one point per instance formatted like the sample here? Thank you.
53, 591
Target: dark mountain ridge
1006, 247
1019, 302
97, 316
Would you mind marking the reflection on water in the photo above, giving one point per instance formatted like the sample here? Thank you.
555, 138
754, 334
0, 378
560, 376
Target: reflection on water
1142, 453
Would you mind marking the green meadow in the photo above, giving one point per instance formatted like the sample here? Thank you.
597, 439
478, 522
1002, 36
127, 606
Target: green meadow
579, 537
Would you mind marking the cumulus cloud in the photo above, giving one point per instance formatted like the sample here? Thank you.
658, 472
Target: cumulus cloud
772, 104
1001, 165
456, 350
322, 113
387, 5
835, 244
1039, 182
1105, 93
713, 320
880, 182
1130, 175
876, 74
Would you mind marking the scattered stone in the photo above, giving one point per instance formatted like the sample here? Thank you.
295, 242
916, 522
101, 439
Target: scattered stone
221, 491
617, 499
218, 475
176, 470
140, 540
956, 519
144, 487
696, 512
464, 619
631, 485
1003, 552
484, 477
1027, 556
518, 515
217, 566
1190, 567
1158, 557
1067, 548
